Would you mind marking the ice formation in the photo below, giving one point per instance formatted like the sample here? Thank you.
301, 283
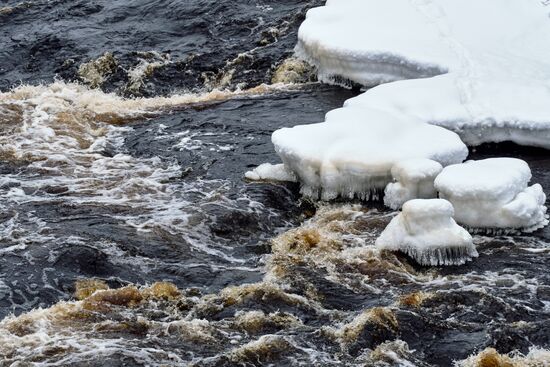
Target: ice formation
414, 180
485, 77
481, 67
493, 194
479, 72
270, 172
426, 231
353, 151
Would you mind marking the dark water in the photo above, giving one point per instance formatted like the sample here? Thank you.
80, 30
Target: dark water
194, 41
197, 224
147, 197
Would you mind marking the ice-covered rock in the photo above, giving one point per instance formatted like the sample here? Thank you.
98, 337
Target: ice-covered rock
480, 68
426, 231
493, 195
351, 154
414, 180
270, 172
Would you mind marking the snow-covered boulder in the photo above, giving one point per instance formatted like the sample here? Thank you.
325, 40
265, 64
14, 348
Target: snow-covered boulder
270, 172
351, 154
414, 180
426, 231
493, 195
480, 68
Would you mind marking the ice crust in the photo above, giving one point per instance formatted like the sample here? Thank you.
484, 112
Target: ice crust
480, 68
414, 180
270, 172
351, 154
426, 231
493, 195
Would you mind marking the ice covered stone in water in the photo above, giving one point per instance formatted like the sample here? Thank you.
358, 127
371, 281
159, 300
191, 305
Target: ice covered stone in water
351, 154
426, 231
414, 180
270, 172
493, 195
480, 68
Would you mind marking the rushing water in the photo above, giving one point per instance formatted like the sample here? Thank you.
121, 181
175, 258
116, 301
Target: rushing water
146, 196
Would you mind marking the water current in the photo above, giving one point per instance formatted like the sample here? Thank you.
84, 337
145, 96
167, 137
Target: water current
129, 236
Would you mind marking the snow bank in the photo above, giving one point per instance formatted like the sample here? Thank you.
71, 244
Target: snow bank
494, 56
415, 180
270, 172
351, 154
492, 194
426, 231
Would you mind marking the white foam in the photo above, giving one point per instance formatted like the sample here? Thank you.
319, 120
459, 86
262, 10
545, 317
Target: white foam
69, 139
494, 194
414, 180
426, 231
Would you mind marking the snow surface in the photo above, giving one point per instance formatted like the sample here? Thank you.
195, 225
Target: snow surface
414, 180
493, 194
494, 56
426, 231
351, 154
270, 172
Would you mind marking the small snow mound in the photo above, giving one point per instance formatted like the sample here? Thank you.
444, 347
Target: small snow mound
492, 195
270, 172
426, 231
414, 180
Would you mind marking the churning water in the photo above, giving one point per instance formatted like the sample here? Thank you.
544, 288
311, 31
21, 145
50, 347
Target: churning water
125, 131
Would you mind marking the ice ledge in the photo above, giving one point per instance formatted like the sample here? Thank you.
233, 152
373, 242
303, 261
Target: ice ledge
494, 86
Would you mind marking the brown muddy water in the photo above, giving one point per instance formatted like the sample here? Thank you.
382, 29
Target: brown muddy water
128, 236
